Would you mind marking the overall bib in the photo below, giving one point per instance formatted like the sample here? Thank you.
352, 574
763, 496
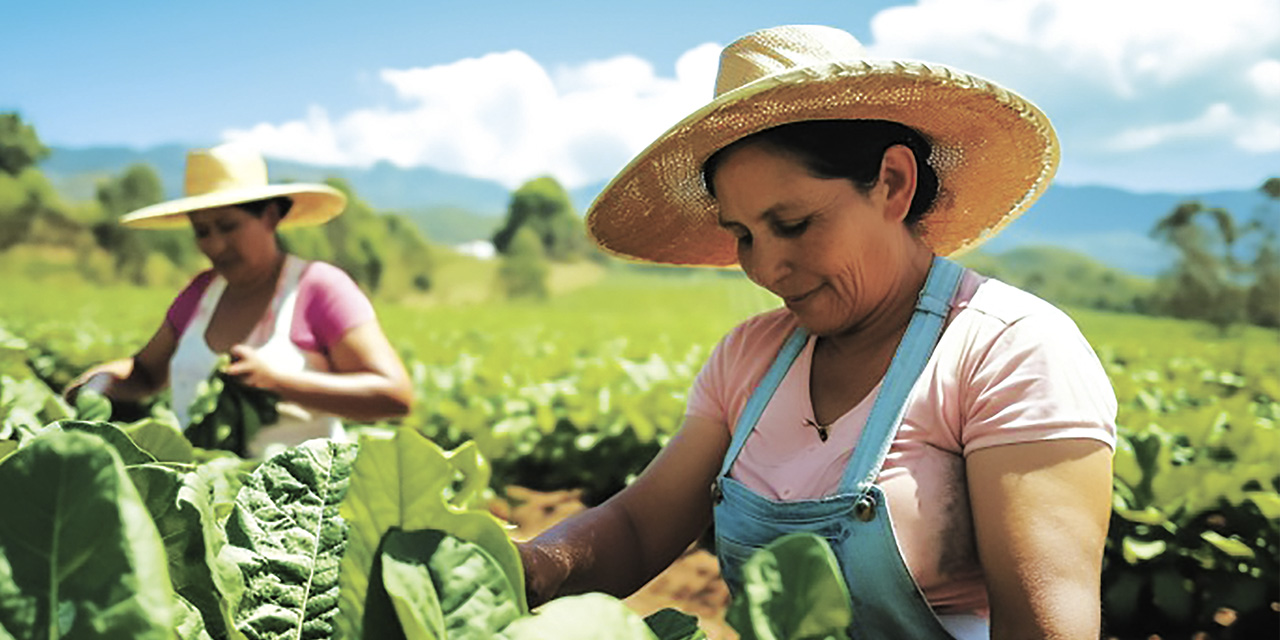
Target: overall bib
193, 361
887, 602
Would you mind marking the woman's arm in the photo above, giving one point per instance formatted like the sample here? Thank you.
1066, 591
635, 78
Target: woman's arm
620, 545
133, 378
1040, 513
367, 382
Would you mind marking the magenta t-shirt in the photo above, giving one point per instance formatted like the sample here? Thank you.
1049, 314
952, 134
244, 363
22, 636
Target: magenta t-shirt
329, 305
1009, 368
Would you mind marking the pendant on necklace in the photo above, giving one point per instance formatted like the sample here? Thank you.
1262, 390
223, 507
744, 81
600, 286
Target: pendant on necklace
822, 430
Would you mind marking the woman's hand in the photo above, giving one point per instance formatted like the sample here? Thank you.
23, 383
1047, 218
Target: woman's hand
98, 379
252, 369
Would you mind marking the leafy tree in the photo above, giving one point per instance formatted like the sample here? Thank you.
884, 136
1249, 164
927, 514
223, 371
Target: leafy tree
138, 186
1211, 281
386, 254
24, 191
543, 206
524, 268
20, 147
1263, 304
1201, 286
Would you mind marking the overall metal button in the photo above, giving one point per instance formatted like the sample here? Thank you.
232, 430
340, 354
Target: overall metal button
716, 494
865, 508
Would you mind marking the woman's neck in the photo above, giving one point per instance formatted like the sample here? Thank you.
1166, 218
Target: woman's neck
881, 329
261, 281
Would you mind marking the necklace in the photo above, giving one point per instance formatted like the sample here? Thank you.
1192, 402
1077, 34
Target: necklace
822, 429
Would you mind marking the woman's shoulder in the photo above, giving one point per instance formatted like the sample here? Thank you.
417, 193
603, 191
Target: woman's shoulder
321, 272
761, 334
998, 303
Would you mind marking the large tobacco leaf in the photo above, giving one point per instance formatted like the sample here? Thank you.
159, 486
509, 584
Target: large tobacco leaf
210, 586
438, 586
79, 554
792, 590
288, 539
591, 616
407, 482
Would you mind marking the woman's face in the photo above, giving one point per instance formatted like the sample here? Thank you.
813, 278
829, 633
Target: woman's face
241, 246
831, 252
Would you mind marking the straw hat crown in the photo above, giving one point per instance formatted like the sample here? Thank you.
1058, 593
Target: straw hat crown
224, 168
231, 174
993, 151
765, 53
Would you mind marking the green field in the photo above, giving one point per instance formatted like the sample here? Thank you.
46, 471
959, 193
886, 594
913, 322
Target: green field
579, 392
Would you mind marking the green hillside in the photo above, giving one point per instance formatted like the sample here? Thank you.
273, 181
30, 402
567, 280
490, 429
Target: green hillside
1065, 277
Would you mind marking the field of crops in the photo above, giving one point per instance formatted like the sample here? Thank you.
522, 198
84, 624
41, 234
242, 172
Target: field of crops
581, 391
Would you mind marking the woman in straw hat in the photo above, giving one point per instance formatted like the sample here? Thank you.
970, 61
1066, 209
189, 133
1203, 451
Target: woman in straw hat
300, 329
949, 435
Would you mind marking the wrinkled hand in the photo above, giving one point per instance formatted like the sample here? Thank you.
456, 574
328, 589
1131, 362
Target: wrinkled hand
251, 369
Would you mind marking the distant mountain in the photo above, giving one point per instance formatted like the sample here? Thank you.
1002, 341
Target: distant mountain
1109, 225
383, 185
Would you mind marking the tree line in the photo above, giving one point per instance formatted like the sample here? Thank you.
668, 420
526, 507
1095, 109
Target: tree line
1227, 272
386, 253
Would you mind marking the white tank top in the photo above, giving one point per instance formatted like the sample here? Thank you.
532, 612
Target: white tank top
193, 361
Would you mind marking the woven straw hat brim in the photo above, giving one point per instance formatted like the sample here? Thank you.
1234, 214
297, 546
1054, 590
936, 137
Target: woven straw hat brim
313, 204
993, 151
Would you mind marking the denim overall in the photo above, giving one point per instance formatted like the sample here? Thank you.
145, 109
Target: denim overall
887, 603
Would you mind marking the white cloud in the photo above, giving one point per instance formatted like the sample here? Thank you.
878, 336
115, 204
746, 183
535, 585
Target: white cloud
1126, 43
504, 117
1217, 120
1265, 77
1129, 84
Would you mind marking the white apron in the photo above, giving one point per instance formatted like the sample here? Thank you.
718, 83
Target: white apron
193, 361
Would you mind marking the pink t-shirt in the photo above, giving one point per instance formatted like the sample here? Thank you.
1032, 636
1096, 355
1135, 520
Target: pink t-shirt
1009, 368
329, 305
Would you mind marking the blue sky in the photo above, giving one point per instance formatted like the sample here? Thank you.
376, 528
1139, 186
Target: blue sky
1149, 95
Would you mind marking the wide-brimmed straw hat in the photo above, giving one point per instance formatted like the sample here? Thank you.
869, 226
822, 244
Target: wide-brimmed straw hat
994, 152
231, 174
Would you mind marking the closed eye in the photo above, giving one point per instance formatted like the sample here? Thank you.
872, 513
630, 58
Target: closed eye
791, 229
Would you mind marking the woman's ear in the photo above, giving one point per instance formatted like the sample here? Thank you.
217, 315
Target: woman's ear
271, 215
898, 175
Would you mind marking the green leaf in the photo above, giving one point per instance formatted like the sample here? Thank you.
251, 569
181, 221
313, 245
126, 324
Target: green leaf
203, 582
792, 588
1136, 551
405, 482
1150, 515
445, 587
1231, 546
671, 624
92, 405
161, 441
84, 559
129, 452
288, 539
591, 616
1268, 503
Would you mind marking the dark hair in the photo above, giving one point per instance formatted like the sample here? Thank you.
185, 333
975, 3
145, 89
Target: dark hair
256, 208
850, 149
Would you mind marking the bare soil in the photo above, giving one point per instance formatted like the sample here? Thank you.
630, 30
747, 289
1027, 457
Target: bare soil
691, 584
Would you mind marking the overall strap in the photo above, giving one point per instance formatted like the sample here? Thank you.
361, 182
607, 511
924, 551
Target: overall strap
909, 361
763, 393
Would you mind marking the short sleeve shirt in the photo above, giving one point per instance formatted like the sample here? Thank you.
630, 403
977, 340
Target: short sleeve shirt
1009, 368
329, 305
